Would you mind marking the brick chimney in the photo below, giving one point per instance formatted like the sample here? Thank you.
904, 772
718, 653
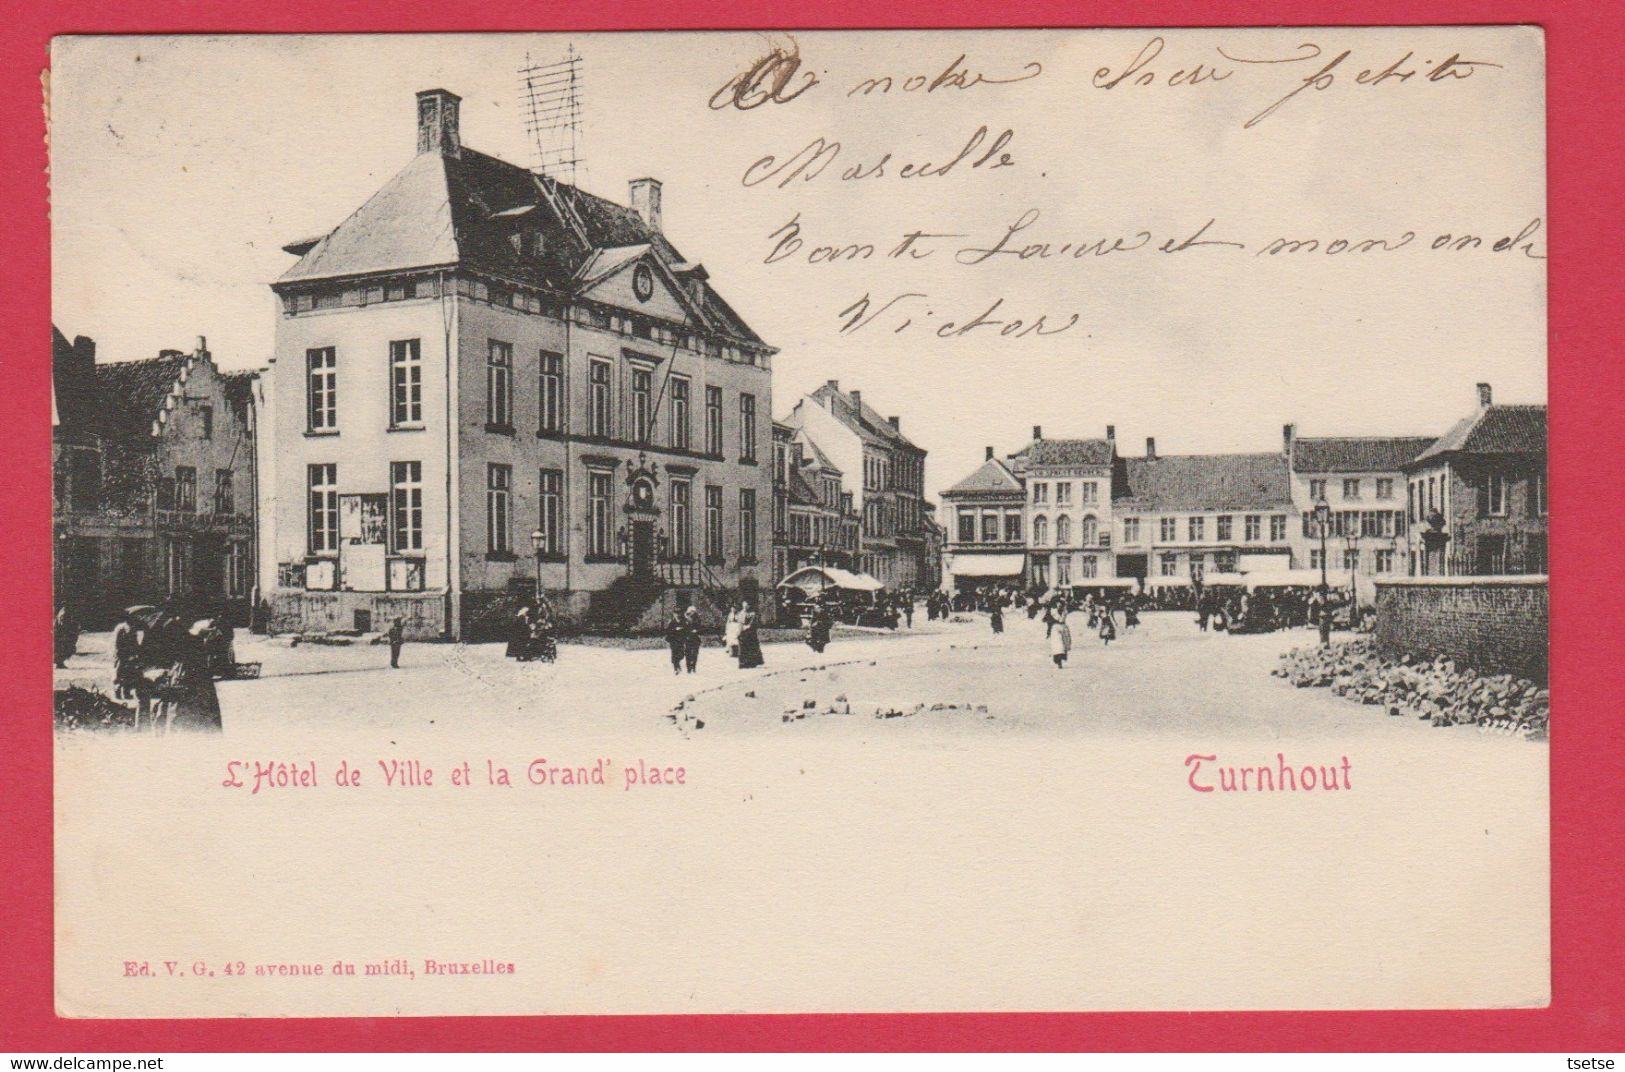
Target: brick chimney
1150, 449
1038, 431
896, 423
857, 401
1288, 433
1484, 396
833, 385
646, 202
1111, 433
438, 112
989, 454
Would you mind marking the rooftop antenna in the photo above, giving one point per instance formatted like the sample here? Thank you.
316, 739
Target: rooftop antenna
551, 103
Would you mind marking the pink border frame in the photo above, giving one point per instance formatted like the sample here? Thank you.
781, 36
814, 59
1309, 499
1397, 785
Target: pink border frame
1587, 315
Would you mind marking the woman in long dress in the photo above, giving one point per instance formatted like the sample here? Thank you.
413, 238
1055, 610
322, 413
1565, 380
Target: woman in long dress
519, 635
730, 631
1108, 626
750, 645
1060, 639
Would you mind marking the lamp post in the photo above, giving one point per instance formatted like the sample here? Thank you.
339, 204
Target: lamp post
537, 539
1351, 558
1323, 518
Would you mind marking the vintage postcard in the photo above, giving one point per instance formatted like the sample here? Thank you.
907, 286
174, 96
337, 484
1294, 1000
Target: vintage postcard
797, 522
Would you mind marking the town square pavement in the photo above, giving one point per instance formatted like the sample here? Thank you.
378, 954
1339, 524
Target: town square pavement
952, 677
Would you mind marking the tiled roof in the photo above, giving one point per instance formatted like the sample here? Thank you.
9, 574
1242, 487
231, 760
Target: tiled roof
443, 210
864, 419
1494, 430
1196, 482
991, 478
1043, 452
1355, 454
132, 393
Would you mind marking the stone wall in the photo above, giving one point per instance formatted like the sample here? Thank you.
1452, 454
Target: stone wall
1495, 624
423, 614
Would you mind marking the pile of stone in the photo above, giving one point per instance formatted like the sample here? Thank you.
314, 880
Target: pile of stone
842, 706
1439, 691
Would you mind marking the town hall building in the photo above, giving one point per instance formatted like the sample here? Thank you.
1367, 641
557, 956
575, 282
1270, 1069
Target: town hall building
488, 382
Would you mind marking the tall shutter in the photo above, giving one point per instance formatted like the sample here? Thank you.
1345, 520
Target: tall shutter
1483, 484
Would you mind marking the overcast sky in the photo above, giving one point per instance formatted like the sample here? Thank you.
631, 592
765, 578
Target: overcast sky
181, 166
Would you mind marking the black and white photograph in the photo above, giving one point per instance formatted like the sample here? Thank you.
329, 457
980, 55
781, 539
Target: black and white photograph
786, 522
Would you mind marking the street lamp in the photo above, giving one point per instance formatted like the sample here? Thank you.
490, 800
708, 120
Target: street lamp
1351, 558
537, 539
1323, 519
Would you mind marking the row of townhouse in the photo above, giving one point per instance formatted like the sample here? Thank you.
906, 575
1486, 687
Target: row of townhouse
815, 522
1062, 512
883, 472
153, 484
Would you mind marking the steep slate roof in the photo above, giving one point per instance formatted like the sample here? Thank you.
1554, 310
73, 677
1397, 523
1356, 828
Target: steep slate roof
816, 457
1196, 482
866, 421
991, 478
1355, 454
1494, 430
443, 210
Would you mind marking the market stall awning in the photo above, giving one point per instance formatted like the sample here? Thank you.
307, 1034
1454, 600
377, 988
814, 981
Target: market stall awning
816, 578
986, 565
1296, 578
1224, 579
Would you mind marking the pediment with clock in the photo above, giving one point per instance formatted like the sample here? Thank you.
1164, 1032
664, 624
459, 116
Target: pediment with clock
632, 278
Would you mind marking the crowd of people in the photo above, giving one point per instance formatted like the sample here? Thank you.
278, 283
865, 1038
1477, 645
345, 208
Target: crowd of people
1232, 608
164, 660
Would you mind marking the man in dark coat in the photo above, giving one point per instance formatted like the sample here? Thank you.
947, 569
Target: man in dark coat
395, 638
677, 639
691, 638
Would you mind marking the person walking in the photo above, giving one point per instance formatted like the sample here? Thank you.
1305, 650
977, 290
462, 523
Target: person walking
396, 638
126, 659
1108, 626
819, 627
1060, 639
677, 639
1204, 610
730, 631
908, 610
691, 638
519, 634
750, 644
995, 618
1131, 615
66, 638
